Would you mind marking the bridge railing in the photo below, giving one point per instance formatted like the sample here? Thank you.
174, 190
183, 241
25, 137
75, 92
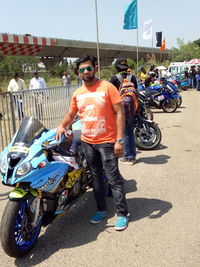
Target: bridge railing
48, 105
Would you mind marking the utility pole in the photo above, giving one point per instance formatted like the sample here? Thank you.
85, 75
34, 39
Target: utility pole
97, 32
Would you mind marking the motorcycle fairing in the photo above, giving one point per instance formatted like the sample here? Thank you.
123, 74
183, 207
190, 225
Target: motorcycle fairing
21, 192
43, 178
176, 96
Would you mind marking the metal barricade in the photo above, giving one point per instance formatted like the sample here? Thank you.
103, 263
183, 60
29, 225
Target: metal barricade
49, 105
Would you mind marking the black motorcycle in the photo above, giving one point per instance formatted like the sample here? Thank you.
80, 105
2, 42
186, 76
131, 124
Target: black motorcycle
147, 133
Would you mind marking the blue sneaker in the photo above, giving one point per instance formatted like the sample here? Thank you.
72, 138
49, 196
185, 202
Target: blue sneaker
98, 217
121, 223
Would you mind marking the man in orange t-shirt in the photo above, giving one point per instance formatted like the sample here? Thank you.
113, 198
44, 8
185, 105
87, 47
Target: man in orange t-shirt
99, 106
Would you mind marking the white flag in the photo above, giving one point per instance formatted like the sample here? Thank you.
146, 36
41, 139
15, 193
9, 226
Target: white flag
147, 32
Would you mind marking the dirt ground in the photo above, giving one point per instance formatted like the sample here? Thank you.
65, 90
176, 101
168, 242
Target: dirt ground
162, 191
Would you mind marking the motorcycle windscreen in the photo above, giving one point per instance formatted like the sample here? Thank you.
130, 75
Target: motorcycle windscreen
30, 129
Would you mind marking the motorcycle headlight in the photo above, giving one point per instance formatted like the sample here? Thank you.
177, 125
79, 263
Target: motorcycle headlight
24, 169
3, 163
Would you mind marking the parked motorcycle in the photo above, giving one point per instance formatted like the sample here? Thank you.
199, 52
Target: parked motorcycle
183, 84
144, 111
47, 180
147, 133
159, 98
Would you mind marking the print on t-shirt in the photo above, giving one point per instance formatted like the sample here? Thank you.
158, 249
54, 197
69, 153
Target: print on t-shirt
92, 108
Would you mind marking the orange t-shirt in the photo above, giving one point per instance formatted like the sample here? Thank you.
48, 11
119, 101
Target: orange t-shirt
94, 105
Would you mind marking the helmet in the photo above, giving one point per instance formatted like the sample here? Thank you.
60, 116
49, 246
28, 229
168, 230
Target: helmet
121, 64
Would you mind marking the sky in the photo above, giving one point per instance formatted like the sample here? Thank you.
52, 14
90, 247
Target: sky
76, 20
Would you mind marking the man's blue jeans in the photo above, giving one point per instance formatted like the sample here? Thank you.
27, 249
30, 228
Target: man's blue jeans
129, 139
198, 85
192, 82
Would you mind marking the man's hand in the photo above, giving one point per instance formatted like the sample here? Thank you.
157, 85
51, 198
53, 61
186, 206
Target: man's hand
60, 130
118, 149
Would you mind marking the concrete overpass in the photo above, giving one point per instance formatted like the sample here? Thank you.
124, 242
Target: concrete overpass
52, 50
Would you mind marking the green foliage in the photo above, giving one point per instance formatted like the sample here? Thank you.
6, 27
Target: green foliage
197, 42
11, 64
184, 52
61, 67
107, 72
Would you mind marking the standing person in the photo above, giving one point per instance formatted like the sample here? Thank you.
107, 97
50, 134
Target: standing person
38, 83
17, 84
69, 80
186, 73
129, 140
64, 79
101, 112
150, 79
143, 74
198, 79
192, 77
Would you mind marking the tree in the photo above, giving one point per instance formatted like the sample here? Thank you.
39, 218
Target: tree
11, 64
197, 42
184, 52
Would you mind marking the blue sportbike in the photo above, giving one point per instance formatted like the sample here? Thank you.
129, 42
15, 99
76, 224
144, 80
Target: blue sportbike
47, 179
161, 96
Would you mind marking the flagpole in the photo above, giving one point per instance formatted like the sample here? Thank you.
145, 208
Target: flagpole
97, 31
137, 48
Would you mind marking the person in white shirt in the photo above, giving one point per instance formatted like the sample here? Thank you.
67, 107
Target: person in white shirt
38, 83
66, 79
17, 84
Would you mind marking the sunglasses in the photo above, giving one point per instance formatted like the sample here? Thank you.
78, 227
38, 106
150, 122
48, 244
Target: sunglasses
89, 68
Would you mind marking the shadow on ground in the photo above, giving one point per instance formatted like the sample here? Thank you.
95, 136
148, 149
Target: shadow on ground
74, 229
162, 112
4, 196
160, 159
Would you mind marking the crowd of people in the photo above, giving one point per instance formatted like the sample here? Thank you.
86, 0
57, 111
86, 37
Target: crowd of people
193, 74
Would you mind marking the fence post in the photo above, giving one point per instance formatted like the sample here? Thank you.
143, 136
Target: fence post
12, 112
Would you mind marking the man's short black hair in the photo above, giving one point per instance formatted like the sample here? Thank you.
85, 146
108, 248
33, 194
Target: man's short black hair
16, 75
84, 59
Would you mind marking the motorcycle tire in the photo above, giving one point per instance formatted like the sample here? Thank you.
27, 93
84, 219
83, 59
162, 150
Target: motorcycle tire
149, 114
17, 234
184, 88
169, 105
179, 101
147, 137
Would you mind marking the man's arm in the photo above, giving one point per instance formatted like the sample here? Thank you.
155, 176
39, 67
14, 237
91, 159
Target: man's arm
43, 83
9, 87
23, 85
120, 120
64, 123
31, 84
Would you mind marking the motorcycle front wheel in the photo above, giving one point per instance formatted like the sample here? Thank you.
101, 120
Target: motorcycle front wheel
18, 235
169, 105
179, 101
147, 136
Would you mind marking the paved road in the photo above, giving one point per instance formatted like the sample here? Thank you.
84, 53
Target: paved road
164, 202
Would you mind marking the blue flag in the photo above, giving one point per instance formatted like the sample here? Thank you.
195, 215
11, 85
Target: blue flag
130, 16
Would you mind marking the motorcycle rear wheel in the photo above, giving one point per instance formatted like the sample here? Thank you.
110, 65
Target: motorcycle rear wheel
169, 105
147, 137
18, 236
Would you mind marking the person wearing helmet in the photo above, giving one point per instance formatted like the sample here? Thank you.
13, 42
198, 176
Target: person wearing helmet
129, 157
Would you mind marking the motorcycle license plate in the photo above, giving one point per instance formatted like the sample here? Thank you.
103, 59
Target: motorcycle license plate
160, 97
